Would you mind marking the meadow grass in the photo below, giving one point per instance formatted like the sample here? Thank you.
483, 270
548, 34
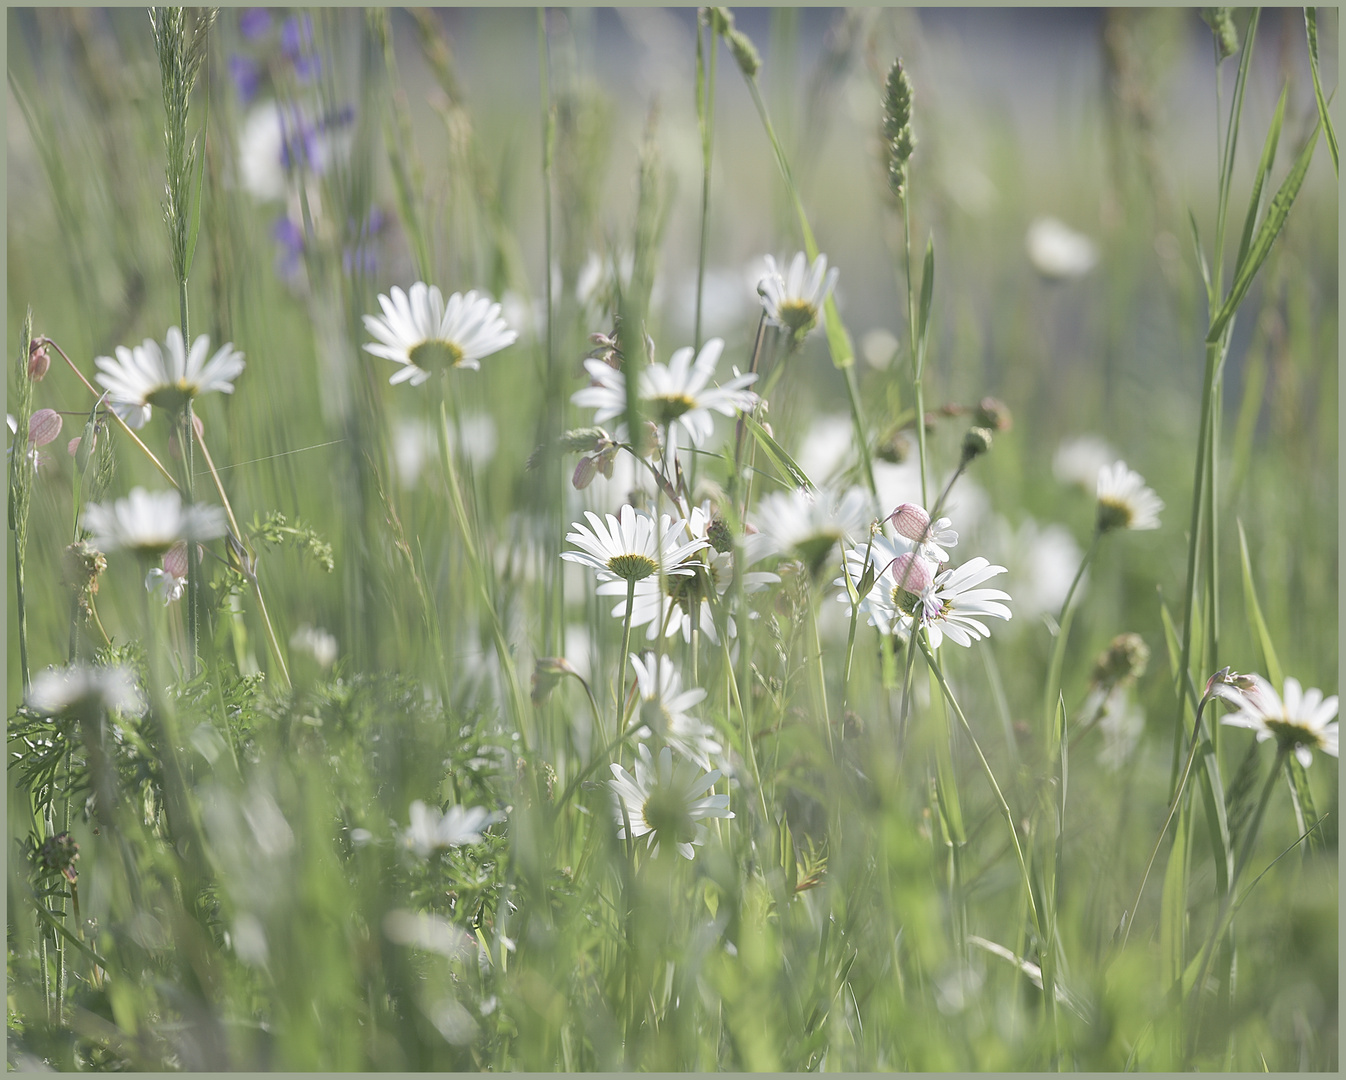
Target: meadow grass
373, 778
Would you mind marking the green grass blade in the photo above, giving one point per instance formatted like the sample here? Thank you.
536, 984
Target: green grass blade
784, 463
1306, 814
1201, 259
1173, 909
1231, 142
1259, 182
1311, 25
1266, 236
1217, 824
1271, 664
927, 295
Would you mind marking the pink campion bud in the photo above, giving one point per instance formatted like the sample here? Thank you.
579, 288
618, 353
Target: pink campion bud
39, 360
44, 426
72, 447
175, 560
911, 521
584, 473
911, 572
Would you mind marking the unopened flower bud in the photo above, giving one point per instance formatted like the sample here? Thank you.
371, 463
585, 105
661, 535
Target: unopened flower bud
1125, 658
585, 471
44, 426
894, 448
57, 854
994, 414
912, 573
39, 360
911, 521
548, 671
975, 443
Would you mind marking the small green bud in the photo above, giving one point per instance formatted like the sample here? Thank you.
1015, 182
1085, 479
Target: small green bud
1125, 658
897, 134
994, 414
721, 539
975, 443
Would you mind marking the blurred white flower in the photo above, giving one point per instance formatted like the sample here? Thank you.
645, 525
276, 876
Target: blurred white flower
1078, 460
808, 525
430, 830
666, 800
794, 298
427, 335
1042, 562
1057, 251
1299, 720
150, 523
1124, 502
57, 690
663, 710
146, 375
317, 643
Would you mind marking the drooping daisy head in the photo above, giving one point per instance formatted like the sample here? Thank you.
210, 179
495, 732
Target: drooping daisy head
426, 335
148, 524
632, 548
147, 375
808, 525
431, 830
794, 298
676, 394
1299, 720
1124, 502
666, 800
663, 709
79, 687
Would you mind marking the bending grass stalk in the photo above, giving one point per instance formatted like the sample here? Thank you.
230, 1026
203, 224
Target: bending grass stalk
747, 727
1053, 690
705, 115
929, 655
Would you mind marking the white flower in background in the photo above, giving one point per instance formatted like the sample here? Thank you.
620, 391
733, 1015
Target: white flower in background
827, 447
150, 523
683, 602
1124, 502
913, 523
794, 298
1078, 459
317, 643
428, 336
631, 548
170, 581
432, 831
260, 153
59, 690
1299, 720
1057, 251
147, 375
416, 442
663, 710
807, 525
1042, 562
674, 395
666, 801
1122, 723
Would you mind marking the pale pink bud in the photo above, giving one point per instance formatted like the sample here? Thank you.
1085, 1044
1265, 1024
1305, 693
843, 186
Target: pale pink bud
72, 447
585, 472
39, 360
911, 573
911, 521
175, 560
44, 426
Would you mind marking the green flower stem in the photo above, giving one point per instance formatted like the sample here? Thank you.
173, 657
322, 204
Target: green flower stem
747, 727
1053, 689
917, 360
705, 115
619, 691
821, 675
990, 776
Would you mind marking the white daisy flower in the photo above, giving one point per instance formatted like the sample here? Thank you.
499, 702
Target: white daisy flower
1124, 502
1078, 459
892, 560
631, 549
1057, 251
807, 525
431, 831
913, 523
683, 602
170, 581
427, 335
150, 523
663, 710
666, 801
58, 690
170, 377
793, 299
672, 395
1300, 720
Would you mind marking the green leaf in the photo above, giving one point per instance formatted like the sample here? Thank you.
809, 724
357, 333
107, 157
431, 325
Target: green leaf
784, 463
1217, 825
1266, 236
1270, 662
1201, 260
1311, 25
1173, 909
1259, 182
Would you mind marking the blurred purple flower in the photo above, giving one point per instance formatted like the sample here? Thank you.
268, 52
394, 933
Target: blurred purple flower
290, 238
296, 43
361, 256
254, 23
247, 76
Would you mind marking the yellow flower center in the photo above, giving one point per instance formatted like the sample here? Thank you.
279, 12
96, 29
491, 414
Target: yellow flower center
664, 410
433, 356
632, 567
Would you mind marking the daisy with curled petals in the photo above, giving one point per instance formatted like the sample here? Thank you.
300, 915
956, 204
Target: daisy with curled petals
794, 298
666, 801
676, 394
663, 710
1299, 720
428, 336
630, 549
146, 375
432, 831
148, 524
681, 603
807, 525
1124, 502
